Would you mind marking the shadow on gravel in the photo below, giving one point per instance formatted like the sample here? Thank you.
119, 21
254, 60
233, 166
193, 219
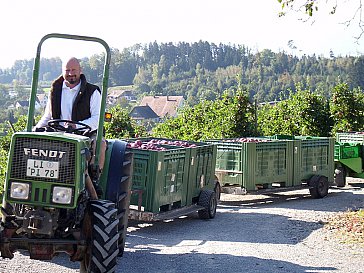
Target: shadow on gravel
64, 260
233, 226
22, 263
333, 202
148, 260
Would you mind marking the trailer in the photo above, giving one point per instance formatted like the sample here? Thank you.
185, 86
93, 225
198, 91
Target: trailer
253, 164
172, 178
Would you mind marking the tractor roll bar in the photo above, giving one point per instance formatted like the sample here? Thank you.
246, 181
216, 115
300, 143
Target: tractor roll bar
105, 81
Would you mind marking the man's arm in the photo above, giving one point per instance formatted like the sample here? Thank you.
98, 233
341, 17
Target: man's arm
95, 105
43, 122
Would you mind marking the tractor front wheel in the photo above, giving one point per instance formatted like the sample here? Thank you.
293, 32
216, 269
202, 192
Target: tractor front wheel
102, 238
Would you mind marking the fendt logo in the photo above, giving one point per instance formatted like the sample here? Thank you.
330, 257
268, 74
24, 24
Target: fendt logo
46, 153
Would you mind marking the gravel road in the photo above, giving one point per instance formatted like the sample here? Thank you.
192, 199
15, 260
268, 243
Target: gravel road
277, 232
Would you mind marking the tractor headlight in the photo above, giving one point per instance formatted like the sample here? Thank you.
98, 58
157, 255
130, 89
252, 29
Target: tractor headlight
19, 190
62, 195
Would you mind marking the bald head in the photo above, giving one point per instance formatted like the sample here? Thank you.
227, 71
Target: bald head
71, 72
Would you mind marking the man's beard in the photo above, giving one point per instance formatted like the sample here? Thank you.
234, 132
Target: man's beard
71, 79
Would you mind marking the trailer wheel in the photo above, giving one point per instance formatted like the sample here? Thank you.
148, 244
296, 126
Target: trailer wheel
208, 200
340, 176
319, 186
102, 238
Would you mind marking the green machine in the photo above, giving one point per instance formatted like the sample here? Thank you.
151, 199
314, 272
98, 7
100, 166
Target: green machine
48, 206
349, 156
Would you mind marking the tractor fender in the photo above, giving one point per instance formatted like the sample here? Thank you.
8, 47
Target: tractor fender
115, 172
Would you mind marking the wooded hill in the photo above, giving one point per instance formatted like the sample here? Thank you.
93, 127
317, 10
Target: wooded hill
203, 70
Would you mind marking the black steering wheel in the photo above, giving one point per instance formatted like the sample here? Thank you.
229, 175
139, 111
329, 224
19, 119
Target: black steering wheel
55, 124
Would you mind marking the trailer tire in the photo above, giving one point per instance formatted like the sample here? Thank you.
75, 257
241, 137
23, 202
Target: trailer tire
207, 199
319, 186
340, 176
102, 238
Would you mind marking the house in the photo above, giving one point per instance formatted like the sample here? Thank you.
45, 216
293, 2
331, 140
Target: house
143, 113
22, 104
42, 99
25, 104
163, 106
116, 95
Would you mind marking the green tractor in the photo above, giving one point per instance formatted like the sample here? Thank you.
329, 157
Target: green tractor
47, 205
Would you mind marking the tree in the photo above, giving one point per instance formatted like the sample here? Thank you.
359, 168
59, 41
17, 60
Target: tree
310, 8
230, 116
347, 109
303, 113
121, 125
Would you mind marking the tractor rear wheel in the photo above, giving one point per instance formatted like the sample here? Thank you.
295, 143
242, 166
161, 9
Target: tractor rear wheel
102, 236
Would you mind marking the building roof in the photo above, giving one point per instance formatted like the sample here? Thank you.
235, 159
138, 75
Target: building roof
116, 93
163, 105
23, 103
143, 112
42, 96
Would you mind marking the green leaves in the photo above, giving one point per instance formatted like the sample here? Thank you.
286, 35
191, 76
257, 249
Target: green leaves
303, 113
230, 116
121, 125
347, 109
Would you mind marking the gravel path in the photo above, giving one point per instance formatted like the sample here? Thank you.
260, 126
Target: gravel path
277, 232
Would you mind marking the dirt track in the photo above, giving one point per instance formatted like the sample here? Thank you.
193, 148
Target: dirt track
279, 232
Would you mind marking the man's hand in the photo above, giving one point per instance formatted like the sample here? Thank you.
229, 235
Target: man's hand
70, 125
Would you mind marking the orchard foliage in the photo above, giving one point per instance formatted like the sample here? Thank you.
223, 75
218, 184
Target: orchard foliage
347, 109
5, 146
302, 113
121, 125
230, 116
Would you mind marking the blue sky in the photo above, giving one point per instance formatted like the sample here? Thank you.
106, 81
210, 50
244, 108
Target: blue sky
123, 23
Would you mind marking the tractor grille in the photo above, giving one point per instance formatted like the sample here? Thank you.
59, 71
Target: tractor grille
44, 149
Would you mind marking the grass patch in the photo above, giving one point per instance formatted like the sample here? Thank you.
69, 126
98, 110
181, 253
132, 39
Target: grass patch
349, 226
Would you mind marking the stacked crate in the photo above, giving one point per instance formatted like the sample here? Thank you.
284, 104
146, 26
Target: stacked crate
254, 163
276, 161
171, 177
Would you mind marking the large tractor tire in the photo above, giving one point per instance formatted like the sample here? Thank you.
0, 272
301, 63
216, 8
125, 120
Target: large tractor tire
208, 200
319, 186
102, 238
119, 186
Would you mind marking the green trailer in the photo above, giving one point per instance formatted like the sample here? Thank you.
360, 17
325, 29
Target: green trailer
277, 161
254, 163
172, 178
314, 163
348, 156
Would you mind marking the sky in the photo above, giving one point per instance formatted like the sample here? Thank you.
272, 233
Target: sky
123, 23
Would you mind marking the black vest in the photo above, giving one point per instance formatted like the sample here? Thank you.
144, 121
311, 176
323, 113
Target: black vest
81, 105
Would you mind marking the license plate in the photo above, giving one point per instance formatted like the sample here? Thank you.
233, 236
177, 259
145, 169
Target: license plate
42, 168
